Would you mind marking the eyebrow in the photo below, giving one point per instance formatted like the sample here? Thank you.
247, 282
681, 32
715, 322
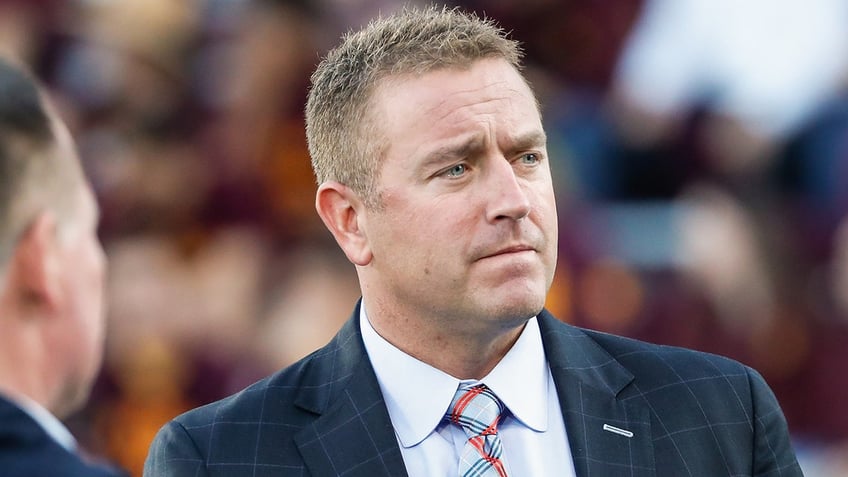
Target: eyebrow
467, 146
529, 139
452, 151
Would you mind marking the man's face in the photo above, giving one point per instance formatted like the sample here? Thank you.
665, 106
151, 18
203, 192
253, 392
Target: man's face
81, 271
466, 230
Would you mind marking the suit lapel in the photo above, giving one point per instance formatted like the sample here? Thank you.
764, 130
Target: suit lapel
607, 434
353, 434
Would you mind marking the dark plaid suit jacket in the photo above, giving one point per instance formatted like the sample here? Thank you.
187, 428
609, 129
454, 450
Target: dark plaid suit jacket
691, 414
26, 450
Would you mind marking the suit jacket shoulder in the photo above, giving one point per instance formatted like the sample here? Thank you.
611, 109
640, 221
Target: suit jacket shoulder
660, 365
26, 450
324, 415
682, 412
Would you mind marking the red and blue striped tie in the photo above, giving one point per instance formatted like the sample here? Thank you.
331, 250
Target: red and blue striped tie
477, 410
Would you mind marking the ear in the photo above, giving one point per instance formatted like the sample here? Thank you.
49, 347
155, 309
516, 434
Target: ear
343, 213
34, 266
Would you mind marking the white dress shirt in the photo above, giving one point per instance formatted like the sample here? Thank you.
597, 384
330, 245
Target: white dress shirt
418, 396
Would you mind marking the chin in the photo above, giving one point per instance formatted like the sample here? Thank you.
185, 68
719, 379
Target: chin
520, 307
523, 295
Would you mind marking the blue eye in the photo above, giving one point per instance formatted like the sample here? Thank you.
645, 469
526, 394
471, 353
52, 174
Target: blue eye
456, 170
530, 158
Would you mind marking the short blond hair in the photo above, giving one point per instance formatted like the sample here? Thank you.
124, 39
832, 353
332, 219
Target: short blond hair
32, 176
342, 137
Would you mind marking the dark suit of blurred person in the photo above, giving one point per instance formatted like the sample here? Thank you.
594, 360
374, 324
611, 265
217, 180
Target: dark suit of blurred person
51, 286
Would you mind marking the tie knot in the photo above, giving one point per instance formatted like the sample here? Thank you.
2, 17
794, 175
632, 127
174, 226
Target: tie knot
476, 409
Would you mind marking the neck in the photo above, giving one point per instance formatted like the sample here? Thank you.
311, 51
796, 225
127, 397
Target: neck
462, 354
19, 388
21, 364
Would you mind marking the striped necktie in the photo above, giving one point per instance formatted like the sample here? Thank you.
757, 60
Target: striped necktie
477, 410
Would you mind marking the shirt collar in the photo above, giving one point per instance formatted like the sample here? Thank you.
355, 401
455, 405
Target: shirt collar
520, 380
417, 395
51, 425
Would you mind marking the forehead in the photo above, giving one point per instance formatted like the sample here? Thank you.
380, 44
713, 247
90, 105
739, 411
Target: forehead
441, 100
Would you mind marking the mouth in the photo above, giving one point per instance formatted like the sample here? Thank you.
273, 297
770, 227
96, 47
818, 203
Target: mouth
513, 249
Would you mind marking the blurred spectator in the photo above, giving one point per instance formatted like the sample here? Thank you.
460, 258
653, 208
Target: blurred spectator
52, 276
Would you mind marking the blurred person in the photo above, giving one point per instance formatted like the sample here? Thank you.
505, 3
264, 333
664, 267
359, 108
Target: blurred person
51, 286
434, 180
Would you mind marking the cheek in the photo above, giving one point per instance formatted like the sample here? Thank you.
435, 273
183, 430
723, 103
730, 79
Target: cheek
95, 263
547, 210
545, 218
443, 230
423, 230
92, 270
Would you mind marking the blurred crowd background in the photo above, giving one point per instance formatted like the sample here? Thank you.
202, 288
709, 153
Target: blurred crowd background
700, 155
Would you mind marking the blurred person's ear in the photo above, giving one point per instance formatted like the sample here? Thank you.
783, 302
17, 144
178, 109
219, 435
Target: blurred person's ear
343, 211
34, 264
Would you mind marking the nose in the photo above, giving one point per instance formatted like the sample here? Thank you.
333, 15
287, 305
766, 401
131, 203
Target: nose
507, 196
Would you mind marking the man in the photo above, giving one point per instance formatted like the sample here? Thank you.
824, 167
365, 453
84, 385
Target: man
51, 279
434, 180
